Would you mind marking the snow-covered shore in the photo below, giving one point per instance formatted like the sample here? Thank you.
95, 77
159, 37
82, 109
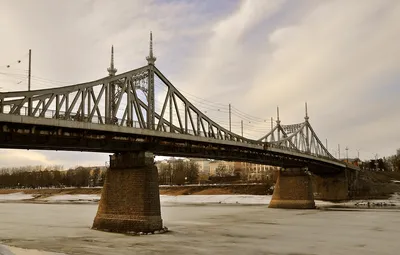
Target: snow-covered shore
198, 199
15, 197
7, 250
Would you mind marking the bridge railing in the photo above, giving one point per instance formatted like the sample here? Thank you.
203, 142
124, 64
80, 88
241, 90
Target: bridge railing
73, 116
270, 145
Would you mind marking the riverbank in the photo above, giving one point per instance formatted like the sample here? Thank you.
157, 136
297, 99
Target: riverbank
370, 185
217, 189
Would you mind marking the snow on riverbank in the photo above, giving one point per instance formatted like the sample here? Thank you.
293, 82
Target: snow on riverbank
72, 198
200, 199
7, 250
216, 199
15, 197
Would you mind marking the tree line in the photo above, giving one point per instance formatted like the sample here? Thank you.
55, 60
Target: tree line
391, 163
177, 173
40, 177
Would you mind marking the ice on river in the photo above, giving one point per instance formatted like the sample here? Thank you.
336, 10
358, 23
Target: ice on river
6, 250
203, 229
15, 197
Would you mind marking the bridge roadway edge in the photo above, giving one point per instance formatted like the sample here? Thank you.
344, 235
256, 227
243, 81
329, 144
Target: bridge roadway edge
109, 138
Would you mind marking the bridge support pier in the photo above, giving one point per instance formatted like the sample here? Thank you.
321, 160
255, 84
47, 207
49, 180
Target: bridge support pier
331, 187
130, 199
293, 190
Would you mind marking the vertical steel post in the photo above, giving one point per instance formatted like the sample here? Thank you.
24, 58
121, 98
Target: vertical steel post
150, 98
278, 123
170, 111
150, 82
29, 84
241, 123
230, 119
129, 103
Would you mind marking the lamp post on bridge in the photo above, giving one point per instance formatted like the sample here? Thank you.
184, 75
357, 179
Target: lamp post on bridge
230, 119
29, 84
241, 124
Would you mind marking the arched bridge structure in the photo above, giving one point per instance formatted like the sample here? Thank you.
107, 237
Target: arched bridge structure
118, 114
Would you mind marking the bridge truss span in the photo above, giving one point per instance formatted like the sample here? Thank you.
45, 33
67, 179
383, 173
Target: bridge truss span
143, 100
125, 100
298, 137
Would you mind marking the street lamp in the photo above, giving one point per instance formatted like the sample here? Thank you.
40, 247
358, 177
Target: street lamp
376, 162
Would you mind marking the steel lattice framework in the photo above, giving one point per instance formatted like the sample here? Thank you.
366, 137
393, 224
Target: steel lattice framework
128, 100
100, 102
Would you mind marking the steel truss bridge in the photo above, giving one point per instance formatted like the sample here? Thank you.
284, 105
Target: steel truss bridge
117, 113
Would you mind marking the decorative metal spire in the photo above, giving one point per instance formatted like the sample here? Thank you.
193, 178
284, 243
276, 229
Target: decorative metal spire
112, 70
278, 121
151, 58
306, 117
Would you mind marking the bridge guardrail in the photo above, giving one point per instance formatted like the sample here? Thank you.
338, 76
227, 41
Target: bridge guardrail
74, 116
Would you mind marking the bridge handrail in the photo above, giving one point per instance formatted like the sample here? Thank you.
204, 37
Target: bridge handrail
135, 124
76, 116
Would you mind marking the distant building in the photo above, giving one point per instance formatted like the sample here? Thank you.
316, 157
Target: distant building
256, 172
352, 161
247, 171
228, 165
204, 165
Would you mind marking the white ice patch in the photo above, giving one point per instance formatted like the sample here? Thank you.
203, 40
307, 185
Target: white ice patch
5, 251
216, 199
15, 197
72, 198
9, 250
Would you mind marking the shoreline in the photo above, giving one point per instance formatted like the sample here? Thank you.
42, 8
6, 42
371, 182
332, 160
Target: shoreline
217, 189
76, 197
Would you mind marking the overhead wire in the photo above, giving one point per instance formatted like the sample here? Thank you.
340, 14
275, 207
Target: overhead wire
209, 106
206, 106
18, 61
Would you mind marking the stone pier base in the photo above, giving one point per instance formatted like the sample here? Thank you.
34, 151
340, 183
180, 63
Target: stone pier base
293, 190
331, 187
130, 199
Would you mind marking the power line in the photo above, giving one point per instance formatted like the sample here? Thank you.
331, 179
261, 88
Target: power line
11, 64
206, 104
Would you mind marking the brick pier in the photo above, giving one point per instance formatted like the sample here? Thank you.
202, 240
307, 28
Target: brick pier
293, 190
130, 199
331, 187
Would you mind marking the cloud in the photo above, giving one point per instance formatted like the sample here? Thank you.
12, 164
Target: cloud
339, 56
10, 158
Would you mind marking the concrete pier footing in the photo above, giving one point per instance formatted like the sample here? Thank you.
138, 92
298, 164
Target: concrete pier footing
331, 187
293, 190
130, 199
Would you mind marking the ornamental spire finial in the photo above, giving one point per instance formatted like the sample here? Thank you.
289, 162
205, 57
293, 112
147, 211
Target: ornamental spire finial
278, 121
112, 70
306, 117
151, 58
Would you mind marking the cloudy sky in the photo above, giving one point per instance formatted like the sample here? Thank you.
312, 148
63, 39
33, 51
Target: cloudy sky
342, 57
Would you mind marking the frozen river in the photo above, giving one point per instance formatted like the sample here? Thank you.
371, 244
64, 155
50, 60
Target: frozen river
204, 229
